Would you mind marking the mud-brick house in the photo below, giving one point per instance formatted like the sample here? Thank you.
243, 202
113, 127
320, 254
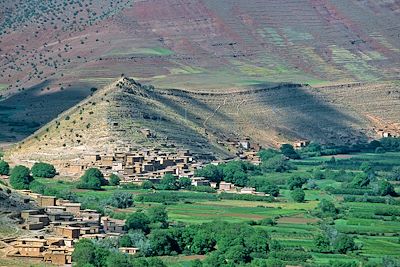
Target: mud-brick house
73, 208
301, 143
223, 186
58, 256
129, 250
113, 225
44, 201
67, 231
26, 213
29, 247
91, 158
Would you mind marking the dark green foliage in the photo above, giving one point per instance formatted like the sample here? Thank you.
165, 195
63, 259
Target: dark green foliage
185, 183
272, 190
298, 195
138, 221
268, 222
92, 179
20, 177
344, 243
147, 185
169, 182
4, 168
114, 179
236, 172
327, 208
322, 244
277, 164
394, 175
158, 214
391, 143
386, 189
288, 151
120, 200
266, 154
43, 170
210, 172
117, 259
361, 180
296, 182
84, 253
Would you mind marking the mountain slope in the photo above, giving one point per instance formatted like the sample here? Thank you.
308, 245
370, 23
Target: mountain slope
53, 52
126, 114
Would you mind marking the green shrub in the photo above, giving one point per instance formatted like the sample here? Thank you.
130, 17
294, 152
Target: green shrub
92, 179
298, 195
4, 168
43, 170
114, 180
20, 177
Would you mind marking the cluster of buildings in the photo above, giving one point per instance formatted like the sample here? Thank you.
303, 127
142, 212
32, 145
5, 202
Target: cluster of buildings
135, 166
57, 224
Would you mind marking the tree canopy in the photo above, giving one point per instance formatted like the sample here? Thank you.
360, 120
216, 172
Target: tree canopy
4, 168
92, 179
20, 177
43, 170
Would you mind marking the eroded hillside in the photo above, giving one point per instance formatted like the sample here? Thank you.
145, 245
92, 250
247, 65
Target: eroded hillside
127, 115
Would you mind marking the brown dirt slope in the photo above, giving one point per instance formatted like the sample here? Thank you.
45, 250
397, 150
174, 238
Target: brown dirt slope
115, 115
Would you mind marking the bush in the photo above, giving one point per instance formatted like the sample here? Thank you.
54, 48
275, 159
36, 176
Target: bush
288, 151
4, 168
344, 243
20, 177
138, 221
296, 182
298, 195
114, 180
120, 200
147, 185
92, 179
43, 170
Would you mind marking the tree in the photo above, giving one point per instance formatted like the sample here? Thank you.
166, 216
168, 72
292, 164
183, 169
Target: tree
266, 154
114, 179
84, 252
211, 172
117, 259
288, 151
138, 221
361, 180
92, 179
185, 182
322, 243
271, 189
395, 174
298, 195
147, 184
43, 170
327, 208
121, 200
158, 214
4, 168
276, 164
169, 182
296, 182
385, 188
20, 177
344, 243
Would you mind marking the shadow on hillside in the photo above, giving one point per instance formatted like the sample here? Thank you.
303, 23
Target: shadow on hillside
303, 114
24, 113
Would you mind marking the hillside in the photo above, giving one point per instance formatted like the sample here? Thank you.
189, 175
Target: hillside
116, 117
53, 52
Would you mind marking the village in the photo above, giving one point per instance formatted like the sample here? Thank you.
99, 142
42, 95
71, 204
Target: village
57, 224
